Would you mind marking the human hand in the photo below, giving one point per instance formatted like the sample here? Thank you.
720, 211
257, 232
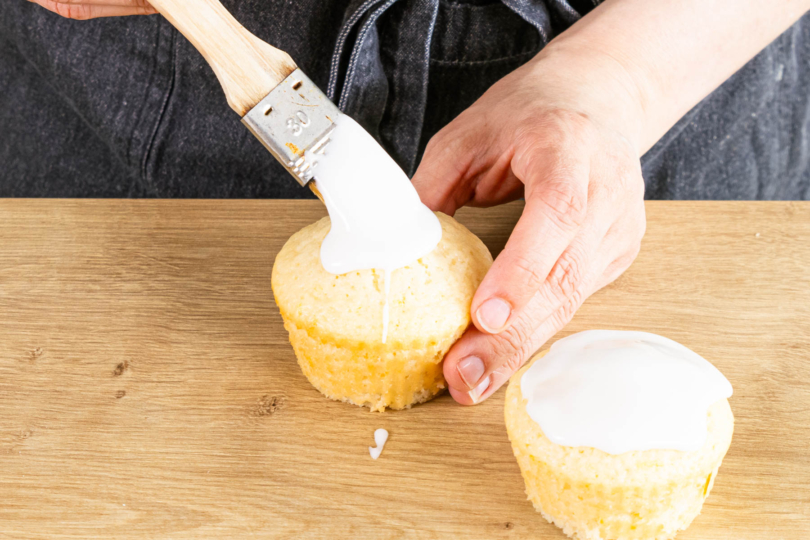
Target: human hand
565, 142
91, 9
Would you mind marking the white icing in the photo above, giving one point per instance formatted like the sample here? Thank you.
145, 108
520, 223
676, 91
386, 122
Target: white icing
378, 220
380, 437
622, 391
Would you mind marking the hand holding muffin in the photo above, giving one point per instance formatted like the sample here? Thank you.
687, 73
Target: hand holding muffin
582, 225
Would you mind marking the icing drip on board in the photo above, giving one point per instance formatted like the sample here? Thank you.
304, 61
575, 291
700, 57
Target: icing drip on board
380, 438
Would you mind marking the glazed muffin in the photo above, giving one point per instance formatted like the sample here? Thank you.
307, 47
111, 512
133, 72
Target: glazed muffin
335, 322
593, 495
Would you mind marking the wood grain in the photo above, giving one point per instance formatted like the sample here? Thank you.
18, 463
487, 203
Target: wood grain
148, 390
247, 67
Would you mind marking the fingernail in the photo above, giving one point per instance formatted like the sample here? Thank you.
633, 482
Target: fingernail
479, 390
471, 370
493, 314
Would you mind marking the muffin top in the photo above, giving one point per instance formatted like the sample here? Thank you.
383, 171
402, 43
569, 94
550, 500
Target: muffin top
620, 391
638, 467
428, 300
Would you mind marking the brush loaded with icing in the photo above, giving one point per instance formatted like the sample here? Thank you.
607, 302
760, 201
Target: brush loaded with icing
619, 435
374, 295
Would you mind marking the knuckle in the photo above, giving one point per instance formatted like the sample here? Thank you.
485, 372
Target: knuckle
448, 154
513, 363
567, 125
567, 275
447, 142
565, 203
605, 192
434, 144
510, 340
564, 315
510, 345
527, 268
618, 181
515, 344
570, 307
552, 134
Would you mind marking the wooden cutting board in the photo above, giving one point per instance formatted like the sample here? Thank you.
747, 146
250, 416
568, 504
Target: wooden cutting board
147, 388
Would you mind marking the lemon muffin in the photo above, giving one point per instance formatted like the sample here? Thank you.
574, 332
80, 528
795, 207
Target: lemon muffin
595, 495
335, 322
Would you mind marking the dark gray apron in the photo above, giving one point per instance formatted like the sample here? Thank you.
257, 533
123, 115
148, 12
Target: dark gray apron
125, 107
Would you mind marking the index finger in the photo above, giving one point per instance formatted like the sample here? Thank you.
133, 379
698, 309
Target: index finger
556, 206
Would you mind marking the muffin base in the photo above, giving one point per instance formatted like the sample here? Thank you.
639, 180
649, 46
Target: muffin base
597, 512
373, 378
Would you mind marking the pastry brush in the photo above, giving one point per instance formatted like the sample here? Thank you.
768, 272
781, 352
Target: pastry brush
277, 102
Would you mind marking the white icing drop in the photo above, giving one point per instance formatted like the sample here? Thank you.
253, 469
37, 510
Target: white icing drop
622, 391
380, 437
378, 220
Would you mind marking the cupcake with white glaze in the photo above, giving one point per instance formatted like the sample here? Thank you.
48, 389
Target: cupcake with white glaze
619, 435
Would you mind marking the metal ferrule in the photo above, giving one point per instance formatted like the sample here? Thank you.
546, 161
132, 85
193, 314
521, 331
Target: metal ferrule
294, 121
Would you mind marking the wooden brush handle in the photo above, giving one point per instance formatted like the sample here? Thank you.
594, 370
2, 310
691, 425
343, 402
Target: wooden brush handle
247, 67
